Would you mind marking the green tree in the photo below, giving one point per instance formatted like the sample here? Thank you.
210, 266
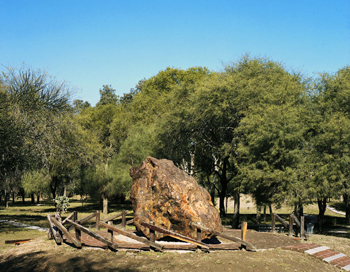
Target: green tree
272, 131
28, 96
107, 96
36, 182
332, 136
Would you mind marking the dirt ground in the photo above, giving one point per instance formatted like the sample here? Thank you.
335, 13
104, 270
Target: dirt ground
42, 254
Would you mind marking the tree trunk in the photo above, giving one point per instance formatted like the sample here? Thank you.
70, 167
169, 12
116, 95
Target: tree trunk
53, 186
222, 203
322, 205
37, 198
13, 198
265, 214
258, 214
65, 191
105, 205
212, 195
22, 193
346, 198
6, 204
224, 183
235, 220
226, 205
270, 208
33, 200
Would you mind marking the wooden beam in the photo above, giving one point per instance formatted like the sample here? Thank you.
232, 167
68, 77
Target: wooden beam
231, 238
273, 222
284, 223
113, 217
56, 235
199, 235
68, 217
93, 234
299, 225
98, 219
291, 221
77, 232
17, 241
110, 232
302, 229
244, 230
132, 236
175, 235
87, 218
126, 223
65, 231
152, 233
124, 219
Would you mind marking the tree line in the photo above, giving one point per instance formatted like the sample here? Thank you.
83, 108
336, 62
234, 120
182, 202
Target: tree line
254, 127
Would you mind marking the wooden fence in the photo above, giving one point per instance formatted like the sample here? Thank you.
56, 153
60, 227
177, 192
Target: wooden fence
292, 219
58, 229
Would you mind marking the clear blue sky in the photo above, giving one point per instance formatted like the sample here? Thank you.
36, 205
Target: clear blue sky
90, 43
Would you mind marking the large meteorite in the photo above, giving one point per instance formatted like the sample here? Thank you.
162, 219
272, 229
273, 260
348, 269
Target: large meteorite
166, 195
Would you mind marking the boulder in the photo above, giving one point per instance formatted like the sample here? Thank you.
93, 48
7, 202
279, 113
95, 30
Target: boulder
172, 199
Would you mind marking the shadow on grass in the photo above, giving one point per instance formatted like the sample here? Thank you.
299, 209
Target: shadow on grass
42, 261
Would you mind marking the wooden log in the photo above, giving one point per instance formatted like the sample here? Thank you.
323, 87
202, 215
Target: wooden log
55, 233
65, 231
152, 233
284, 223
87, 218
273, 222
199, 235
127, 222
299, 225
68, 217
113, 217
93, 234
175, 235
231, 238
132, 236
291, 221
244, 231
302, 229
98, 217
296, 220
110, 232
124, 219
17, 241
77, 232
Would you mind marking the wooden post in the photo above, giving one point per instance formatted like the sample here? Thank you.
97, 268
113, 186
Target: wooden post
291, 222
98, 217
302, 229
199, 235
124, 220
78, 232
273, 222
110, 232
244, 230
74, 218
65, 231
152, 233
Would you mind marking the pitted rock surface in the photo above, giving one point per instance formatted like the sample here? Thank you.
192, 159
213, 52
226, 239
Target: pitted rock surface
166, 195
